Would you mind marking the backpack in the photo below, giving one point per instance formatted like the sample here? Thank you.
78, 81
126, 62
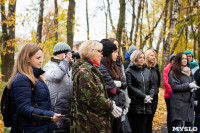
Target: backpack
6, 107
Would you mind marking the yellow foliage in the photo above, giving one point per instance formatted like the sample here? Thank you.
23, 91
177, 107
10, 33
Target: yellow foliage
160, 116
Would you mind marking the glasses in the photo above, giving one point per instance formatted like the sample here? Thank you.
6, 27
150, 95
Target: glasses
100, 51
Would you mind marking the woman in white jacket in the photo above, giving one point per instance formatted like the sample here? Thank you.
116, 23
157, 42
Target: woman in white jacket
58, 79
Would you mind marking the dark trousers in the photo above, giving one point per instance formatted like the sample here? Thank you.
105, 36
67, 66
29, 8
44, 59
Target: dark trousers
197, 122
154, 107
140, 123
169, 124
179, 123
116, 124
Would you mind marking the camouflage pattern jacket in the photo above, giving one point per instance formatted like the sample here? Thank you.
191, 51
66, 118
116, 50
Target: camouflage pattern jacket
91, 106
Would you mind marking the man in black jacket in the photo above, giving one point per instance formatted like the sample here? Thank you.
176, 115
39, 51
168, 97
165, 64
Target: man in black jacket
128, 54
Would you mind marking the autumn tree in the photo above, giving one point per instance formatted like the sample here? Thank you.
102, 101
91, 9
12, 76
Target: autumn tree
133, 21
87, 20
56, 20
40, 23
173, 20
70, 23
8, 38
121, 20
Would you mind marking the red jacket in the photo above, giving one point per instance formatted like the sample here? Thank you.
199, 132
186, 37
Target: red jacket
168, 89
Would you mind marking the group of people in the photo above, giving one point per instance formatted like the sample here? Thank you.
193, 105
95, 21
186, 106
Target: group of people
99, 92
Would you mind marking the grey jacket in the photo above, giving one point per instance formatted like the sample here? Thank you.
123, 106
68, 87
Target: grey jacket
181, 104
59, 82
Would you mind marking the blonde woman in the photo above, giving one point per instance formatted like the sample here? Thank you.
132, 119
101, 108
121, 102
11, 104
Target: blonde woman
151, 63
30, 96
91, 107
141, 93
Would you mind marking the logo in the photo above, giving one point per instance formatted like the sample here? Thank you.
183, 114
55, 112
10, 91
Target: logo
184, 128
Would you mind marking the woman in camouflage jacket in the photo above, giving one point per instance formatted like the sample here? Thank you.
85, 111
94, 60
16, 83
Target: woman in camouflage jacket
91, 107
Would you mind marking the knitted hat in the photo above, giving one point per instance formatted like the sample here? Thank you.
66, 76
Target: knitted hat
108, 47
131, 49
171, 57
61, 47
189, 52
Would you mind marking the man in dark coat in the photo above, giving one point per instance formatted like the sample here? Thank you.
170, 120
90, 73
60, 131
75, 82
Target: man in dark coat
128, 54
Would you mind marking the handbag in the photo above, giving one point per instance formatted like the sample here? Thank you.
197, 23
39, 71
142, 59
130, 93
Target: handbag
119, 98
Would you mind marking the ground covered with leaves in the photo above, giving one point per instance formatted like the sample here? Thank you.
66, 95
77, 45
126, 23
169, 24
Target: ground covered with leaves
159, 122
160, 118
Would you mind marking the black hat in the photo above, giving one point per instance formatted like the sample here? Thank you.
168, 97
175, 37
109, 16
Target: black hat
108, 47
197, 77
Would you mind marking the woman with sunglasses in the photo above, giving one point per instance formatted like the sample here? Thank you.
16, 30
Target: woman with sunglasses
91, 107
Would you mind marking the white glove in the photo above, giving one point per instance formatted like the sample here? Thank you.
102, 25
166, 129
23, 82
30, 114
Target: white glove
117, 111
195, 103
125, 111
193, 85
129, 100
148, 99
118, 83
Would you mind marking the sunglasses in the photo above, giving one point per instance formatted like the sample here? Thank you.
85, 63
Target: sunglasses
100, 51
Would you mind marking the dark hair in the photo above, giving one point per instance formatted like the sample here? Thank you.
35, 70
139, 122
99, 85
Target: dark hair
112, 40
113, 70
176, 66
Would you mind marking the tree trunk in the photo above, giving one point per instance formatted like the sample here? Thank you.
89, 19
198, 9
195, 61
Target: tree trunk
70, 23
186, 37
87, 20
193, 33
133, 23
180, 31
111, 21
40, 23
141, 21
121, 20
178, 37
166, 46
159, 41
165, 20
56, 20
152, 31
106, 15
7, 56
137, 23
198, 34
162, 31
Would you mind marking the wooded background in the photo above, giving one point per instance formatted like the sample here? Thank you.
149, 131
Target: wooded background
169, 26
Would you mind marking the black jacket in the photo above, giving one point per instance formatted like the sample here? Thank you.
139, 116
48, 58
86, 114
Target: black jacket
126, 63
181, 104
109, 82
197, 97
155, 74
139, 86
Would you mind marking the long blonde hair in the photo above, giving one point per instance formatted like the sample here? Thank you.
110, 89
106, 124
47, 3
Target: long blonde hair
22, 64
146, 58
